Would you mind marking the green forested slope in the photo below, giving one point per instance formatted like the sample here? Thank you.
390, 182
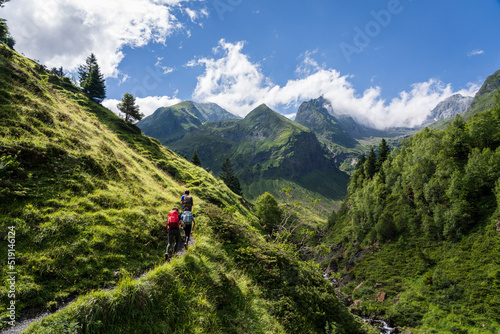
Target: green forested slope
424, 228
87, 194
268, 152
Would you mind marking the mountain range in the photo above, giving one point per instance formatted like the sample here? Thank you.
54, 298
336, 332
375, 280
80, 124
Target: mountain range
269, 151
449, 108
170, 124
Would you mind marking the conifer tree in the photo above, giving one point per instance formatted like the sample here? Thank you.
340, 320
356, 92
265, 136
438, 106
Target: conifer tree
370, 164
361, 161
57, 71
229, 178
91, 79
5, 36
383, 153
196, 159
268, 211
130, 109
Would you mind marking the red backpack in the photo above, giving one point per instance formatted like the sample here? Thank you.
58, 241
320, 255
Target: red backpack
173, 219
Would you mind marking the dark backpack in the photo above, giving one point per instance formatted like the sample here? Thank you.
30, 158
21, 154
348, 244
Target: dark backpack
188, 201
173, 219
187, 217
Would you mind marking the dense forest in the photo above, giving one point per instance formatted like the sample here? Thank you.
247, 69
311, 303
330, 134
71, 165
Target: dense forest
421, 225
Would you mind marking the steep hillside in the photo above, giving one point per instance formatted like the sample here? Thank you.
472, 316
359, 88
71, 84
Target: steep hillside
268, 152
417, 240
83, 202
344, 138
315, 116
485, 97
170, 124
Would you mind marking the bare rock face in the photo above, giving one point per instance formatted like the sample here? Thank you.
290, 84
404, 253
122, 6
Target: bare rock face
449, 108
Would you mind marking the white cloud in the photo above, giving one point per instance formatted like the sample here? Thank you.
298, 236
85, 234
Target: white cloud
238, 85
165, 69
195, 15
64, 33
475, 53
147, 105
309, 64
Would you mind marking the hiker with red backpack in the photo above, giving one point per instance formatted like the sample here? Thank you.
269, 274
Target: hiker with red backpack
187, 201
174, 222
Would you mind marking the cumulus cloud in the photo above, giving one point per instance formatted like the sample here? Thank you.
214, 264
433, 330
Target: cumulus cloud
237, 84
147, 105
64, 33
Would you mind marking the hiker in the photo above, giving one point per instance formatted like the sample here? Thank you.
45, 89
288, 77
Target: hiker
188, 219
187, 201
174, 232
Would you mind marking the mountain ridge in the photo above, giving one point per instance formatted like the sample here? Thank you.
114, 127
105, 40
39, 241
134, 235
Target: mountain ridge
449, 108
172, 123
264, 145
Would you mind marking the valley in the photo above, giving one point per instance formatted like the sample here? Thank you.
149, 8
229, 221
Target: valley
411, 236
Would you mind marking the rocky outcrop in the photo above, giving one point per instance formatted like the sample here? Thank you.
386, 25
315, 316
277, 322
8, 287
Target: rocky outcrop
449, 108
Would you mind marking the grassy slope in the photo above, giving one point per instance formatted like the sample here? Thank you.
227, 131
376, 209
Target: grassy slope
87, 195
213, 289
86, 192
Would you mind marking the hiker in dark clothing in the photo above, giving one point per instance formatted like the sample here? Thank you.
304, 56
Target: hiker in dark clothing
174, 222
182, 200
187, 201
188, 220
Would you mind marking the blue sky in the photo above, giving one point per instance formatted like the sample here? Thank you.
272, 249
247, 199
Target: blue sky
385, 62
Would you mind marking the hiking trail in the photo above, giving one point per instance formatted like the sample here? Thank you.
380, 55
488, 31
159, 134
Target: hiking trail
26, 321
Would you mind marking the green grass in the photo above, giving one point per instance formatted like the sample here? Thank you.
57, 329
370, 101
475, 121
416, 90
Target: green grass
201, 292
232, 281
433, 287
86, 192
